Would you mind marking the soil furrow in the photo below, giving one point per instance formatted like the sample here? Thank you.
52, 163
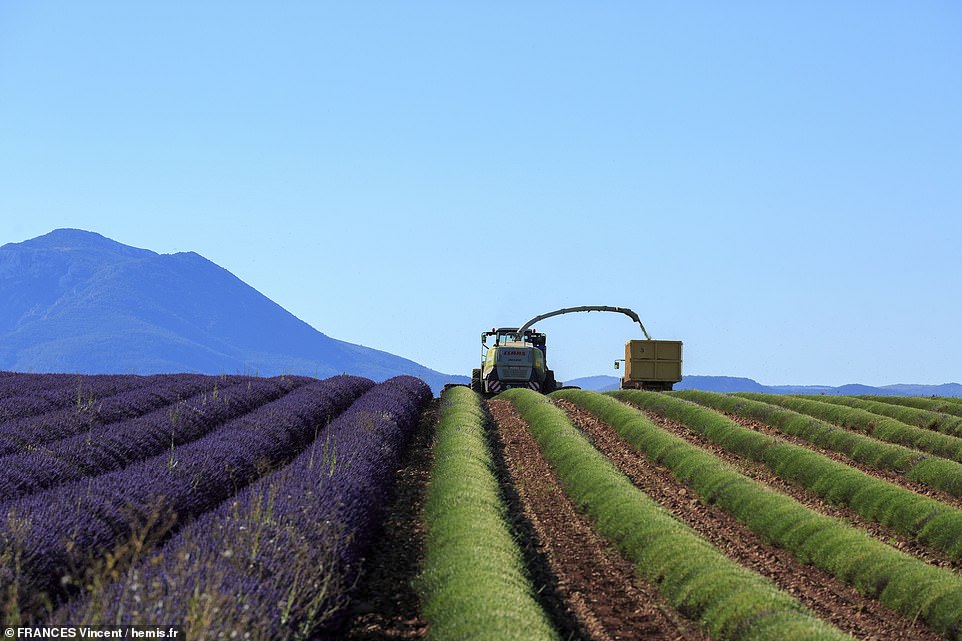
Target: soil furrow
600, 587
806, 497
386, 604
822, 593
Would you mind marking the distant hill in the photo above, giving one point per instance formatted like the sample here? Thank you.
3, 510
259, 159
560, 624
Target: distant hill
728, 384
74, 301
595, 383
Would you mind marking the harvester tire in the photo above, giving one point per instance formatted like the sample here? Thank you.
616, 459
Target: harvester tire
549, 384
476, 381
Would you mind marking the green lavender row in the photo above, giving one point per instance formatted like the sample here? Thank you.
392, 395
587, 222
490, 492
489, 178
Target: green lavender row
880, 427
932, 523
898, 580
918, 417
731, 601
933, 471
943, 404
473, 581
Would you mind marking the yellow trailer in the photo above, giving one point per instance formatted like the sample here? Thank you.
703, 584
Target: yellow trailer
651, 365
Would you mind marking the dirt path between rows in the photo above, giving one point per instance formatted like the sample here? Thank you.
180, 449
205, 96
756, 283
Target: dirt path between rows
825, 595
386, 605
602, 592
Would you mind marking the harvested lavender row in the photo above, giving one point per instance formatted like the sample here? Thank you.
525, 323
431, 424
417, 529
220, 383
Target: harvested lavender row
48, 541
32, 394
278, 559
27, 433
115, 446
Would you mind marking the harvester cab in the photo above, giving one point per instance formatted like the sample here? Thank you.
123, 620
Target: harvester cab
516, 359
505, 335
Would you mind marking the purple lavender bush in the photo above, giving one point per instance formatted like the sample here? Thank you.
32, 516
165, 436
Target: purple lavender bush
116, 445
50, 542
278, 560
23, 395
21, 384
29, 432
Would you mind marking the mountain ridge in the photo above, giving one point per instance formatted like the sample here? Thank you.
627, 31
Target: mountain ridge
81, 302
729, 384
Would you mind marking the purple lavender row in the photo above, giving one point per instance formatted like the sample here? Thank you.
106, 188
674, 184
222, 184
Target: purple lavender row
56, 536
30, 432
31, 394
284, 552
130, 403
114, 446
14, 383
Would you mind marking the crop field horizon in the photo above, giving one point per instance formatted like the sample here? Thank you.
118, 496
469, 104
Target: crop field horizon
296, 508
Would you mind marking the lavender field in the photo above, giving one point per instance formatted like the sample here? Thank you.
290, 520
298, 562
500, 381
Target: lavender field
219, 503
293, 508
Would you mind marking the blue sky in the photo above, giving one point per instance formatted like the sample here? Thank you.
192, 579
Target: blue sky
777, 184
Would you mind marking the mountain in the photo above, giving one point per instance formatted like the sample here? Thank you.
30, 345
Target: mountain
729, 384
708, 383
75, 301
596, 383
945, 389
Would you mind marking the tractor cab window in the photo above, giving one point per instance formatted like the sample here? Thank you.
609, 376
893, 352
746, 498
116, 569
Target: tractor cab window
538, 340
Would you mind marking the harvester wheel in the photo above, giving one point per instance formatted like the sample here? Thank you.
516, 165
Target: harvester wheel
549, 384
476, 381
